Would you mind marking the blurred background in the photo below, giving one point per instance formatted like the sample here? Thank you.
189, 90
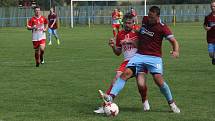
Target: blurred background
15, 13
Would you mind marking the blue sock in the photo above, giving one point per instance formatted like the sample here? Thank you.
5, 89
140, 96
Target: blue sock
166, 92
117, 86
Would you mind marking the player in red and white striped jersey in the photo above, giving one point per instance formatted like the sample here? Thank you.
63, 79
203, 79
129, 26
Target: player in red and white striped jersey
38, 25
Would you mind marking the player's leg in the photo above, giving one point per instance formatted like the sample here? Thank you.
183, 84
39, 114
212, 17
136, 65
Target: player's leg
50, 36
114, 30
211, 51
56, 36
42, 50
36, 53
155, 66
141, 83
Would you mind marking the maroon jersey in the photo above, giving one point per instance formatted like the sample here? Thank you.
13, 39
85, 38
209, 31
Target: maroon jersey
210, 22
151, 37
51, 19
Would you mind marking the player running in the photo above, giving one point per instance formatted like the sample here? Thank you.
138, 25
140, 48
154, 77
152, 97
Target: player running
52, 18
126, 45
209, 26
148, 56
38, 25
115, 22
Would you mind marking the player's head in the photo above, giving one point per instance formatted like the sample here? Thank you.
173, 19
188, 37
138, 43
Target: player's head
213, 6
154, 14
128, 21
51, 10
115, 10
37, 10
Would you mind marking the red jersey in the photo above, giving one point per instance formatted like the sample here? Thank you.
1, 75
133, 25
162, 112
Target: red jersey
127, 42
210, 22
51, 18
150, 38
115, 18
38, 22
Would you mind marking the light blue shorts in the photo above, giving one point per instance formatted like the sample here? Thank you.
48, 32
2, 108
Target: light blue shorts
153, 64
52, 31
211, 47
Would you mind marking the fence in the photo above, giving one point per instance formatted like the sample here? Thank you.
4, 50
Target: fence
14, 16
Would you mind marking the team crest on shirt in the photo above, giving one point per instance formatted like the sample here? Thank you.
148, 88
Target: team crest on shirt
143, 30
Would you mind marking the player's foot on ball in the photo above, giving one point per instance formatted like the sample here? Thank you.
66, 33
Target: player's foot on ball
106, 98
100, 110
213, 61
174, 108
146, 106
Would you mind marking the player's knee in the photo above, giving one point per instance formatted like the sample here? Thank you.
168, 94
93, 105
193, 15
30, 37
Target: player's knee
128, 73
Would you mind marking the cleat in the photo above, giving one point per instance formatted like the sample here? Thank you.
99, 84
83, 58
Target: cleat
146, 106
58, 41
37, 65
50, 43
174, 108
213, 61
42, 61
100, 110
106, 98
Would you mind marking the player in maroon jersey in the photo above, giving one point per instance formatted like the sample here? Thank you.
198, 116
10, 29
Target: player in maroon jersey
52, 18
149, 57
38, 25
209, 26
126, 44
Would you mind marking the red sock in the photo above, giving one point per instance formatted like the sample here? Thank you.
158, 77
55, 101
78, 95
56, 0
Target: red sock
37, 58
114, 33
109, 89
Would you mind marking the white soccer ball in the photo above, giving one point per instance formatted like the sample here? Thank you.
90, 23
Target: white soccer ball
111, 109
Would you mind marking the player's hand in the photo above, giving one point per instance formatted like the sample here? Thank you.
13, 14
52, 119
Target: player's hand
175, 54
208, 28
111, 42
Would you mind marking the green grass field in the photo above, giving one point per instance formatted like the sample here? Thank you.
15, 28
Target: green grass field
65, 87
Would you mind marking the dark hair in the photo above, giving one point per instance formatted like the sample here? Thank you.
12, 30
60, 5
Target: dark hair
128, 16
36, 7
155, 9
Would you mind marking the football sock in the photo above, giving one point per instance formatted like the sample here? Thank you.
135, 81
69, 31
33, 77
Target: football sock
41, 55
37, 57
166, 92
109, 89
117, 86
114, 33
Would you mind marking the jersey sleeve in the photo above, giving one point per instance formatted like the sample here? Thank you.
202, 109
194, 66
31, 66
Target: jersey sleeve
30, 22
45, 21
167, 32
206, 21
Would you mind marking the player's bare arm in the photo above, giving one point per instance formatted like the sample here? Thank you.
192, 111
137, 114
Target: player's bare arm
175, 47
207, 28
116, 51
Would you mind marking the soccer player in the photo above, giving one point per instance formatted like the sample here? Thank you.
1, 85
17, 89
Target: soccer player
38, 25
209, 26
115, 22
120, 17
52, 18
126, 45
149, 57
134, 14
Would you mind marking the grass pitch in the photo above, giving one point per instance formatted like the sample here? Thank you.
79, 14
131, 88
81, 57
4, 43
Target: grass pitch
65, 87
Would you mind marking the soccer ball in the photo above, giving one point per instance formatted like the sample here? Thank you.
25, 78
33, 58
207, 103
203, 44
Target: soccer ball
111, 109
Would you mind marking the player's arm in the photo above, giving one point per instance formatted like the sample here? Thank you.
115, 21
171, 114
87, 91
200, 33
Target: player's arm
116, 51
45, 25
175, 47
30, 25
207, 28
